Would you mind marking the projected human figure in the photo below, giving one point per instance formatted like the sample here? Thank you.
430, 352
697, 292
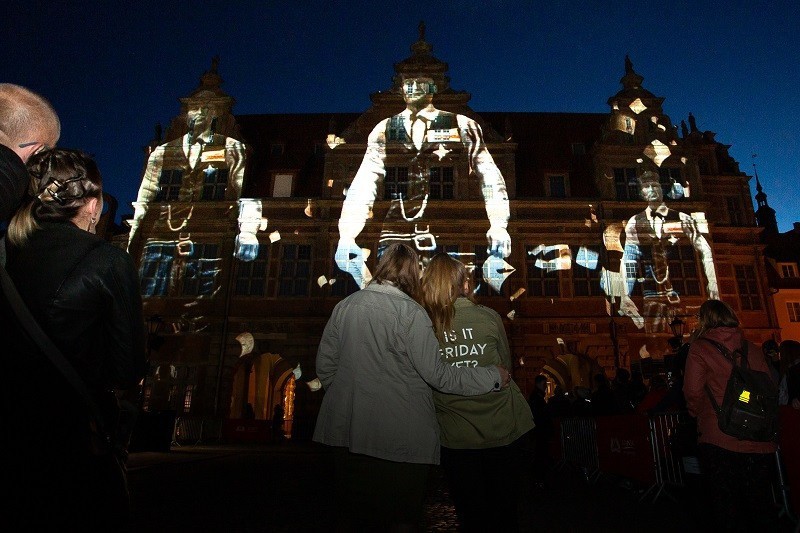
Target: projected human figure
431, 139
651, 240
200, 165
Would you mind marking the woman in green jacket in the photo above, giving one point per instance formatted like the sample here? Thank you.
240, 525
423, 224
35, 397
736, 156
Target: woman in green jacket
480, 435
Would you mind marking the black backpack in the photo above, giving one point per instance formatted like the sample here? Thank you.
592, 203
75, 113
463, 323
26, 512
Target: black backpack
749, 409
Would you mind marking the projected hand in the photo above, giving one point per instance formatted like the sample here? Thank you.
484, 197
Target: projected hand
713, 291
629, 309
246, 247
499, 241
350, 258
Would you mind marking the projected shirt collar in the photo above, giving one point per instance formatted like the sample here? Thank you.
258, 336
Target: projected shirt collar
428, 114
661, 210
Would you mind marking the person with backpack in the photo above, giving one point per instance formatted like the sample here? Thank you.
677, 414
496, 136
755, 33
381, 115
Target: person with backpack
727, 402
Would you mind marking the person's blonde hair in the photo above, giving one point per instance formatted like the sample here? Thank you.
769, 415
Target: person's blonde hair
716, 314
25, 115
442, 284
61, 182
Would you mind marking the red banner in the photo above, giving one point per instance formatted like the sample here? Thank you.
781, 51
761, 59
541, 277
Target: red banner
623, 447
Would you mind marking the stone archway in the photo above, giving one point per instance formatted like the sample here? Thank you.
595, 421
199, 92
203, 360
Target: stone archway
259, 380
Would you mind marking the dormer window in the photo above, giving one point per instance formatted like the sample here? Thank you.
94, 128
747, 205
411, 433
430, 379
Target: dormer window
788, 270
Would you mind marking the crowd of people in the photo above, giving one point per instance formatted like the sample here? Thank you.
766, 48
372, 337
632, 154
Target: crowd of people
627, 393
414, 370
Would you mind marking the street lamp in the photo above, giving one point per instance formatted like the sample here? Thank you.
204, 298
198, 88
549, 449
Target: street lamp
677, 327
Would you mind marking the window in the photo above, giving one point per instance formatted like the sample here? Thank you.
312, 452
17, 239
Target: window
626, 184
541, 282
156, 266
734, 210
441, 183
585, 281
683, 271
282, 185
251, 276
578, 149
669, 175
788, 270
794, 311
748, 288
396, 129
634, 271
200, 272
395, 183
295, 270
187, 398
671, 183
215, 181
557, 186
169, 185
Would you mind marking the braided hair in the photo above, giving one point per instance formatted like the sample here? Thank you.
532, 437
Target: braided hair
61, 183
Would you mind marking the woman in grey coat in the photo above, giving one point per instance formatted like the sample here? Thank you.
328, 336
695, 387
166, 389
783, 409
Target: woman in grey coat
377, 360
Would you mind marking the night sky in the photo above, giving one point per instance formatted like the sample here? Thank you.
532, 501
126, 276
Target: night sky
113, 69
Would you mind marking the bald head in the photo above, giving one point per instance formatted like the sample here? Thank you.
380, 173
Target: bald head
28, 122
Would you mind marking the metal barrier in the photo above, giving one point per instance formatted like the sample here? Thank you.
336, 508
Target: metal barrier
670, 467
662, 465
579, 445
659, 451
190, 430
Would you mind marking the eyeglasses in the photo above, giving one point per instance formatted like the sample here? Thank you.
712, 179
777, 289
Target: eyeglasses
39, 150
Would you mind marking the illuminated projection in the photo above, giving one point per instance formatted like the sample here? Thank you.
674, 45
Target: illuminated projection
429, 141
180, 267
201, 165
659, 253
250, 222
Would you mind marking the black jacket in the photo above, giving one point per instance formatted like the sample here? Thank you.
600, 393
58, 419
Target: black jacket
84, 293
13, 182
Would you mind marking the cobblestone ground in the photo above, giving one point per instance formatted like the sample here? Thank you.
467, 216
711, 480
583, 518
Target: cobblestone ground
440, 515
288, 488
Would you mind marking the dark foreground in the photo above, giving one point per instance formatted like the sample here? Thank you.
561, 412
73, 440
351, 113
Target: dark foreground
287, 487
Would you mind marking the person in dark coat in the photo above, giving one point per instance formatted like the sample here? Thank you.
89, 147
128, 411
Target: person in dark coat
84, 294
603, 399
790, 373
739, 472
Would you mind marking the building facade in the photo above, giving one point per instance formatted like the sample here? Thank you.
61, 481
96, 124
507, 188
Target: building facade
240, 223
